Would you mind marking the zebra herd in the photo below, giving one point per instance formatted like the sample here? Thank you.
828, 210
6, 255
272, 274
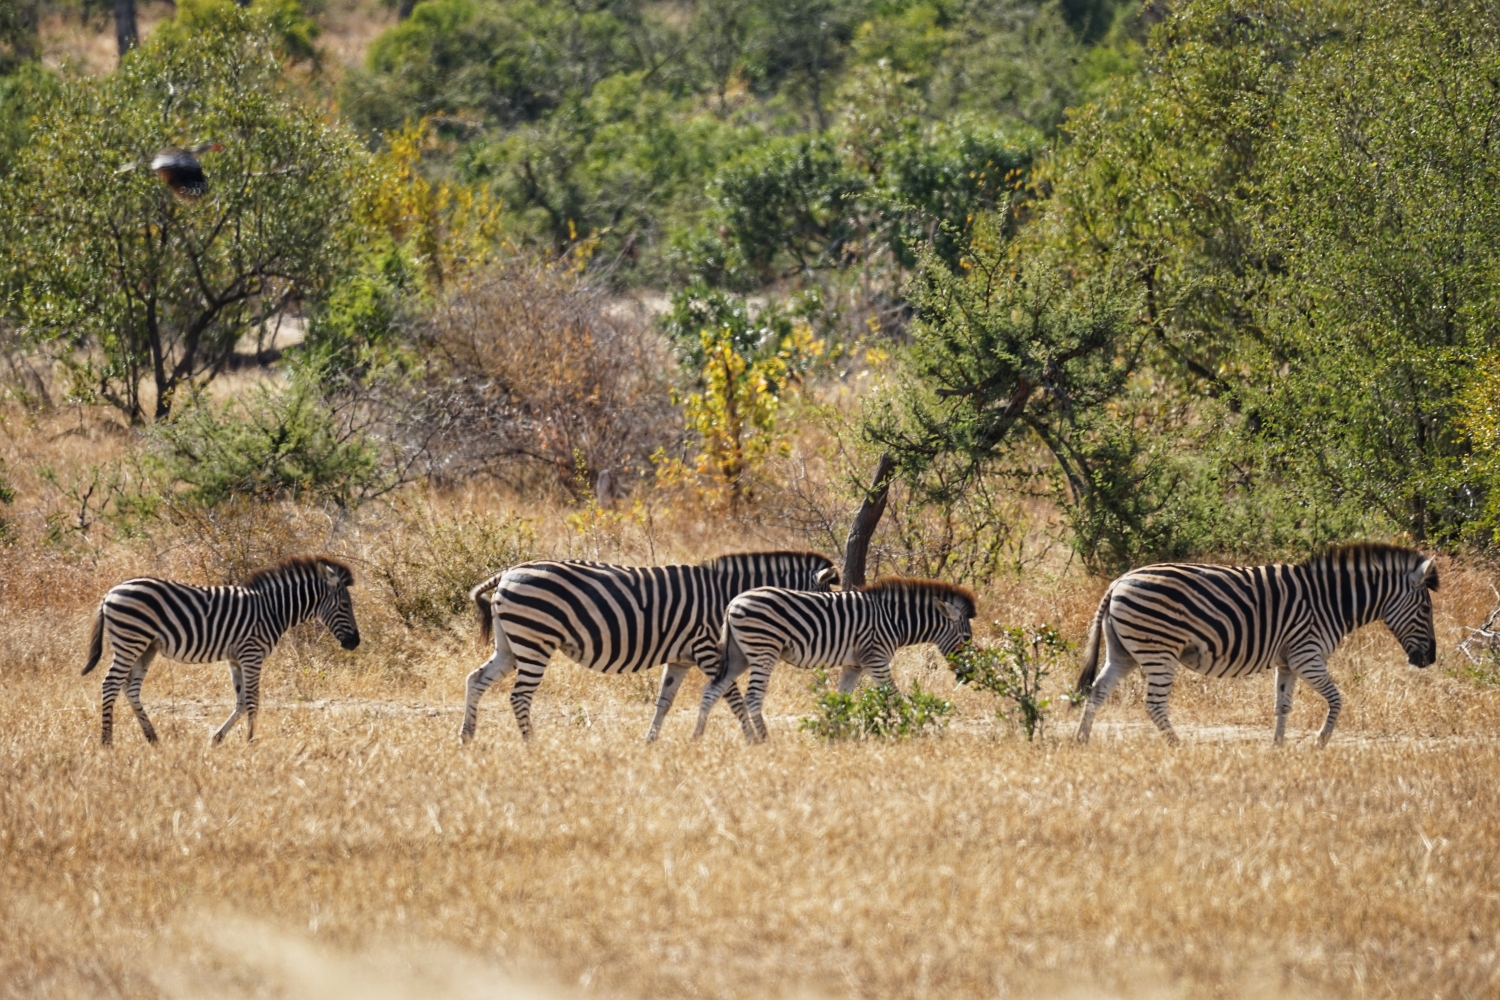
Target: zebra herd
749, 611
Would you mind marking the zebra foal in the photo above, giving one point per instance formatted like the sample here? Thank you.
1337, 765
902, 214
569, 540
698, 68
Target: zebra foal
241, 624
620, 619
858, 630
1228, 621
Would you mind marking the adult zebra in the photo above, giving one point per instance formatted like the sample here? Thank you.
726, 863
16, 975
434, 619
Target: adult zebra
241, 624
620, 619
1227, 621
858, 630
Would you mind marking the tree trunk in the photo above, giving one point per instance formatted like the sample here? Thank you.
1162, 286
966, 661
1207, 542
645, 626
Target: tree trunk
857, 547
125, 29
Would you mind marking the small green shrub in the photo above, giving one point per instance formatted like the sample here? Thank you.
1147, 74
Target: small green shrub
877, 711
279, 443
433, 557
1013, 670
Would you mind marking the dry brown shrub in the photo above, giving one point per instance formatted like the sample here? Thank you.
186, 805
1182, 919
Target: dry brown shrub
536, 375
430, 555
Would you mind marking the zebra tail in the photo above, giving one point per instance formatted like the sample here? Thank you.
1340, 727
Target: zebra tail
1091, 647
482, 603
726, 645
96, 641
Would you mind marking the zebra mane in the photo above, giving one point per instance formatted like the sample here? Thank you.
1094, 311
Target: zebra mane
932, 588
289, 566
1401, 556
726, 561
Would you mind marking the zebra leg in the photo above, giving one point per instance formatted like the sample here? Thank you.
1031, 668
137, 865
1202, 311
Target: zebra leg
528, 677
755, 690
1117, 664
238, 677
1317, 677
133, 691
735, 664
119, 674
251, 666
881, 671
849, 679
1286, 681
1159, 678
496, 667
671, 680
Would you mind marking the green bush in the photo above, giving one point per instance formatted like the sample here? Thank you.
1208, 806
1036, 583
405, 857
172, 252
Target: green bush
274, 443
878, 711
1013, 671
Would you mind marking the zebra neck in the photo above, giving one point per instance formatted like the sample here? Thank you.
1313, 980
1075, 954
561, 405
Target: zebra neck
287, 602
907, 623
1347, 599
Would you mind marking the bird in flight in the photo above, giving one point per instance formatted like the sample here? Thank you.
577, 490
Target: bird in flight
179, 168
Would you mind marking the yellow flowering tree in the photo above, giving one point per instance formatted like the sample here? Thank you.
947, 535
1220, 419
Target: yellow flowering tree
735, 413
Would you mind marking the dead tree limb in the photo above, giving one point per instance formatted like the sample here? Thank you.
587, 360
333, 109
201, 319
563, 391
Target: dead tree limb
857, 547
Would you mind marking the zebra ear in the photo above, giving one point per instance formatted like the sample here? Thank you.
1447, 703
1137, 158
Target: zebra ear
828, 577
1425, 575
953, 611
330, 574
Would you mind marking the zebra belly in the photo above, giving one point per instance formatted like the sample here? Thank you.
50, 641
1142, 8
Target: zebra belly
1201, 661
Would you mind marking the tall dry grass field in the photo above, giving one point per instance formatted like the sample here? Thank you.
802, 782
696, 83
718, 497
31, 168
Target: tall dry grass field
355, 849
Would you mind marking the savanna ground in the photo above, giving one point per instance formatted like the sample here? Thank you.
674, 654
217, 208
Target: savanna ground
355, 849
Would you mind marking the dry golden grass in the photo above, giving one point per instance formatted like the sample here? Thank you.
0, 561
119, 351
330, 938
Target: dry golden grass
356, 850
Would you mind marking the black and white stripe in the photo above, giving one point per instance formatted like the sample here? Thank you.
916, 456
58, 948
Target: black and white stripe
147, 616
620, 619
1228, 621
858, 630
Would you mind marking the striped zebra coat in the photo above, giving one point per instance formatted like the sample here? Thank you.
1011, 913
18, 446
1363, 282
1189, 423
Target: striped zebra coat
858, 630
1228, 621
620, 619
147, 616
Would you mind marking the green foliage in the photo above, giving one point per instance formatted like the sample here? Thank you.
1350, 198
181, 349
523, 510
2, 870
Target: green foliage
615, 166
494, 62
879, 711
277, 443
1014, 671
356, 331
730, 140
1305, 199
1009, 355
129, 285
292, 31
24, 93
19, 40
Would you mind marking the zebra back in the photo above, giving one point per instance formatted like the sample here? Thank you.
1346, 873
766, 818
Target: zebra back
711, 585
813, 629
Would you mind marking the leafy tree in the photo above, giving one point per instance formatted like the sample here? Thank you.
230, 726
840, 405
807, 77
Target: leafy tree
1009, 354
137, 290
502, 62
612, 167
1305, 196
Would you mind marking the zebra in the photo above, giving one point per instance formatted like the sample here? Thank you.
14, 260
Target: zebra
620, 619
858, 630
241, 624
1228, 621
